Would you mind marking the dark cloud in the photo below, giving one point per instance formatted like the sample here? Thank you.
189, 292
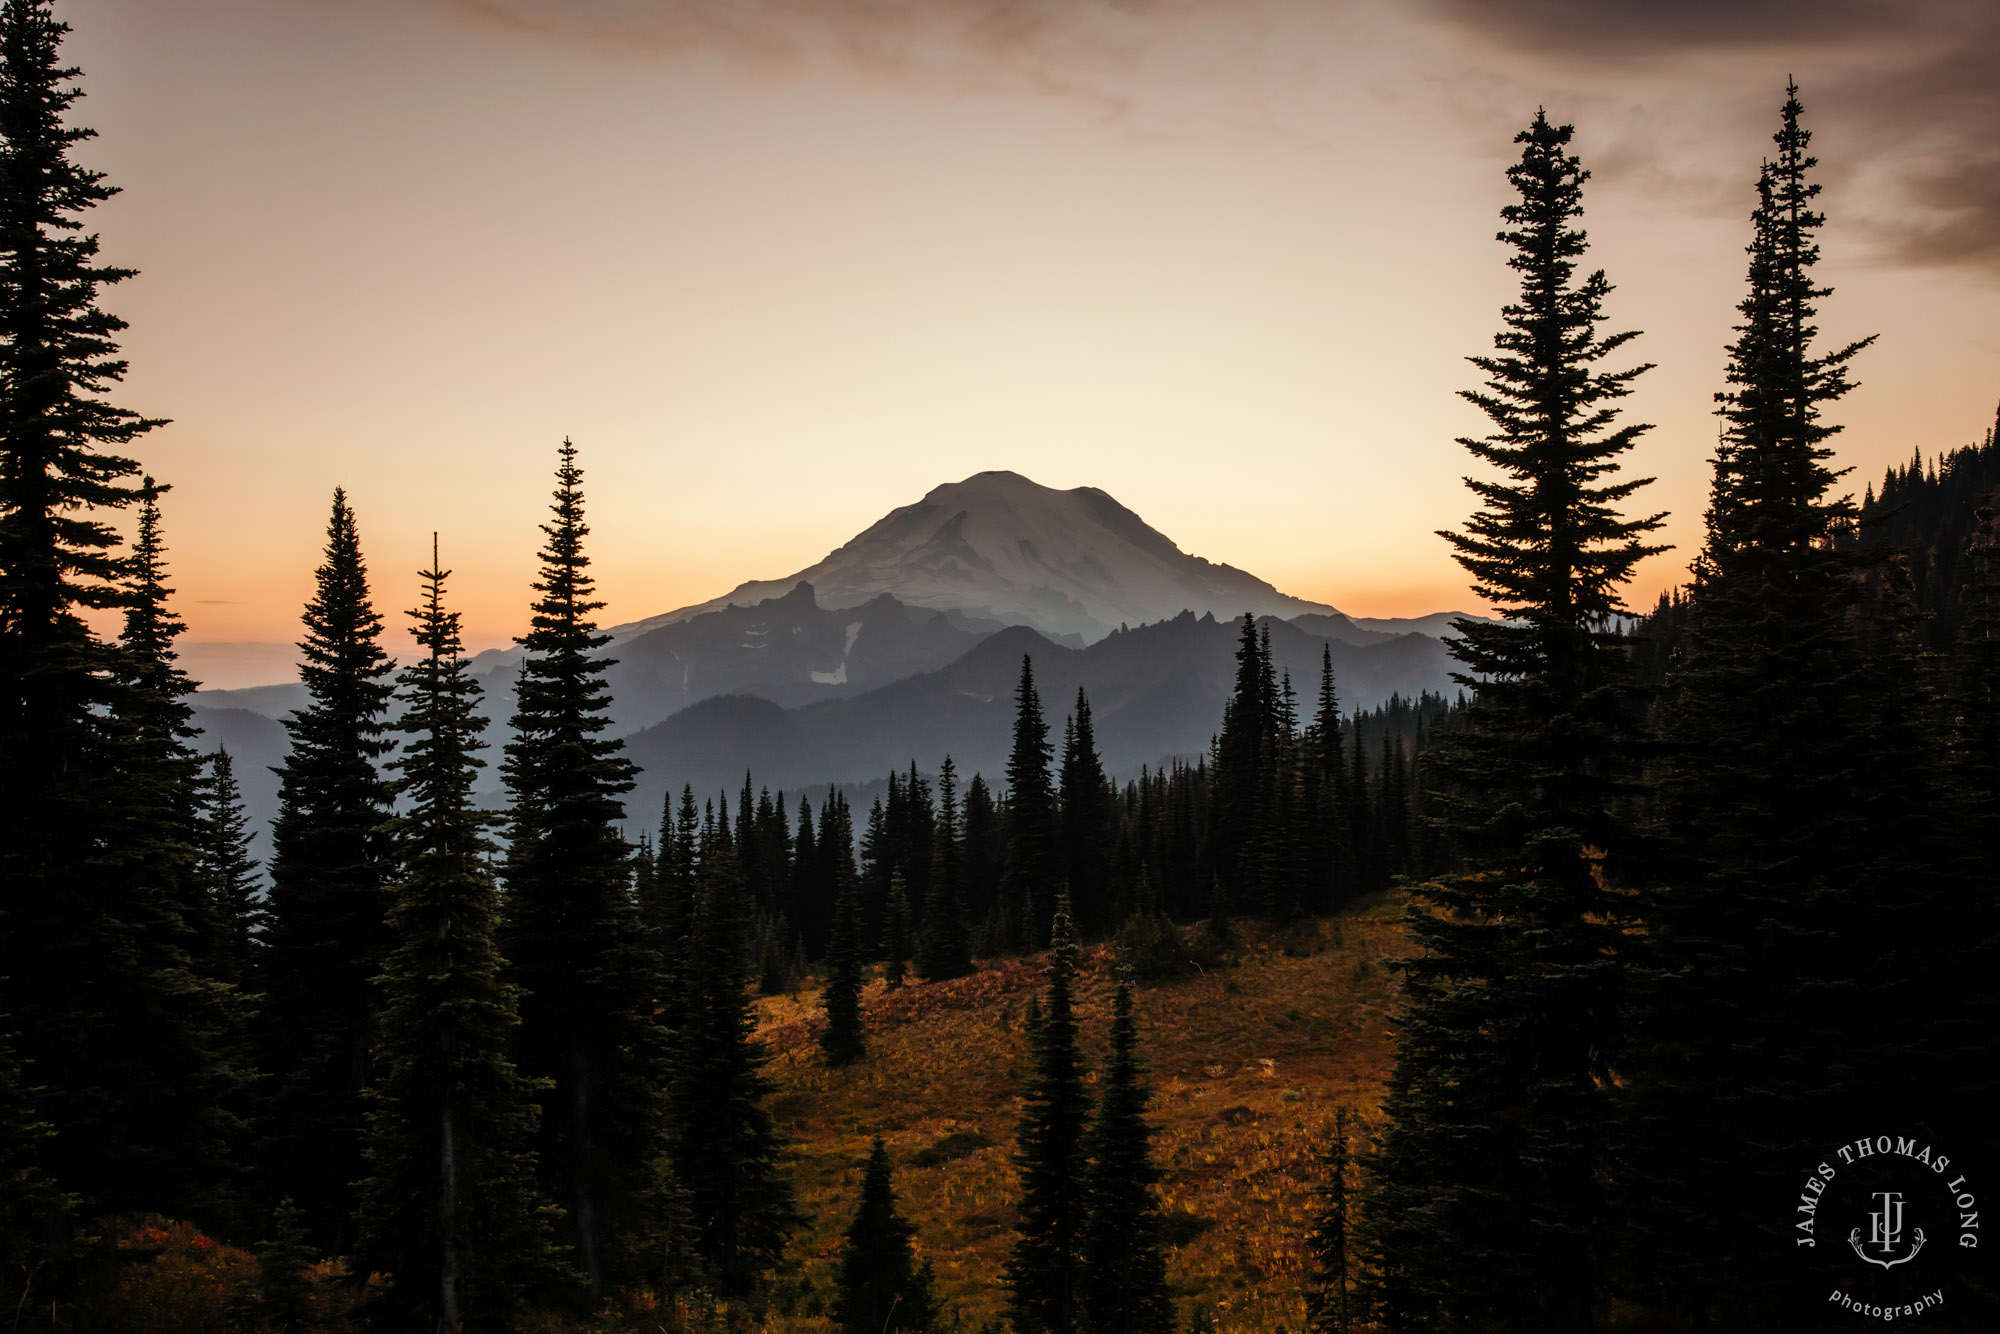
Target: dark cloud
1903, 94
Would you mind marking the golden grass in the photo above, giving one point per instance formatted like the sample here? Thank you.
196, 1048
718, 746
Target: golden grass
1247, 1065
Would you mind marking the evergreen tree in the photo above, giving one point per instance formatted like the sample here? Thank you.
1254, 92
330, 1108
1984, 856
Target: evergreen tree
93, 967
739, 1202
1330, 1240
229, 874
160, 772
1045, 1272
881, 1287
1033, 857
896, 933
1239, 765
1124, 1282
985, 850
1767, 934
586, 968
328, 934
943, 951
1489, 1189
1331, 851
448, 1211
842, 1041
1088, 826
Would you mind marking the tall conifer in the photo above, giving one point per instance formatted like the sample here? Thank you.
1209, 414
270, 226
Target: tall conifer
587, 969
1792, 931
724, 1142
881, 1287
1124, 1281
1489, 1191
449, 1211
943, 950
841, 996
1089, 829
1045, 1272
329, 908
92, 969
1033, 857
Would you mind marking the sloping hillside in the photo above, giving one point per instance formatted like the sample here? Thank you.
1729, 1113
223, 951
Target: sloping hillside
1247, 1064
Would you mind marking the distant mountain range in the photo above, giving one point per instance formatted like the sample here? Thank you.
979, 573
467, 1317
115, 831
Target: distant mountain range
906, 643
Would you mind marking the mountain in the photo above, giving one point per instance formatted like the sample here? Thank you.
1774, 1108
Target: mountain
1156, 691
1000, 547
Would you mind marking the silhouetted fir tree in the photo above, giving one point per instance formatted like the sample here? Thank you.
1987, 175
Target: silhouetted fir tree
92, 970
724, 1144
943, 951
874, 875
806, 871
1744, 1053
836, 867
1392, 809
1489, 1196
1088, 827
1124, 1282
160, 772
449, 1211
680, 852
881, 1287
587, 968
1330, 850
1045, 1272
329, 908
841, 996
1033, 857
1239, 765
1330, 1239
228, 875
204, 1022
985, 851
896, 942
1363, 838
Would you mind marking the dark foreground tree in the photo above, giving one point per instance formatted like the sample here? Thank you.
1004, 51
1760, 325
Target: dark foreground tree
1045, 1272
449, 1210
1331, 1240
881, 1287
92, 971
1124, 1268
1489, 1183
841, 996
588, 969
724, 1142
329, 907
1790, 937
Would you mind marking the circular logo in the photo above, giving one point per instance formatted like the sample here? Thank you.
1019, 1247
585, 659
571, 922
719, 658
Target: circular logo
1885, 1224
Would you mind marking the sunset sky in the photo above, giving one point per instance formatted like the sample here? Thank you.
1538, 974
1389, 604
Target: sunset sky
778, 266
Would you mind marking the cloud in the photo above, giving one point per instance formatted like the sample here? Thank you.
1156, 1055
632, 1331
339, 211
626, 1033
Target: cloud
1904, 96
1072, 49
